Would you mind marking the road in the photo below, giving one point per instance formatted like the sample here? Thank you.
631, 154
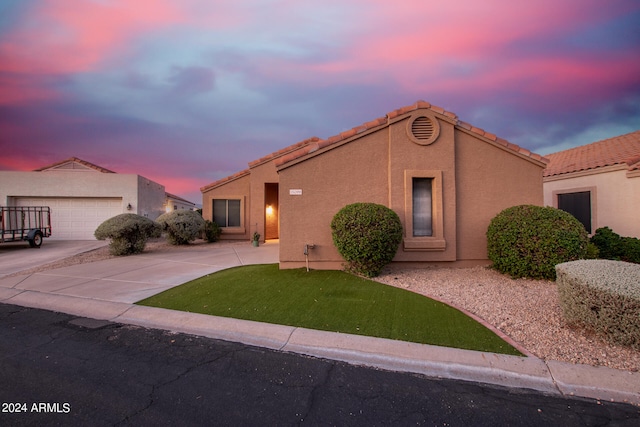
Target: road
57, 369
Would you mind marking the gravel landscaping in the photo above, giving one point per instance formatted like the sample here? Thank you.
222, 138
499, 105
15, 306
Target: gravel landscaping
526, 311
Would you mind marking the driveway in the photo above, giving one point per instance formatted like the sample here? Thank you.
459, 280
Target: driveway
122, 279
18, 256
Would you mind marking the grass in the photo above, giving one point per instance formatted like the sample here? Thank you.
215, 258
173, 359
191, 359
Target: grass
329, 301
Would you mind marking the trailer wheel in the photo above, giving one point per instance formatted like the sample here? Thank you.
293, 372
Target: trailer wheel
36, 242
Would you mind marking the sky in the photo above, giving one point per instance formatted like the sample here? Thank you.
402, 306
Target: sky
185, 92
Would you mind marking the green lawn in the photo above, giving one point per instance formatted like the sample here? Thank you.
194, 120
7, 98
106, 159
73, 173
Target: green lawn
329, 301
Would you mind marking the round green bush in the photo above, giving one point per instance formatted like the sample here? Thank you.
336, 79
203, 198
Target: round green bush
367, 235
603, 296
128, 233
182, 226
529, 241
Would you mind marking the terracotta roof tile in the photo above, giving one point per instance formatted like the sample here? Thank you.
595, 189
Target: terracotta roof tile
619, 150
77, 160
225, 180
283, 151
404, 110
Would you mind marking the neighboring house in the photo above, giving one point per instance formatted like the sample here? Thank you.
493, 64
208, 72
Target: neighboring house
174, 203
598, 183
445, 179
82, 195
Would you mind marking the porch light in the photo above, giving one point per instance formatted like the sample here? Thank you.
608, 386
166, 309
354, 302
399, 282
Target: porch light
269, 210
129, 207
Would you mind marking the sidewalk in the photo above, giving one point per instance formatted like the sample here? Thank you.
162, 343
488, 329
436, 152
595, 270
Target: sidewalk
107, 290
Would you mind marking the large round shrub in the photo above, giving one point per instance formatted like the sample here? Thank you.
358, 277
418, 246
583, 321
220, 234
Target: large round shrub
529, 241
182, 226
367, 236
128, 233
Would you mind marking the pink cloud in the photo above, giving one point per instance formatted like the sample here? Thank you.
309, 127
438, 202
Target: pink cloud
70, 36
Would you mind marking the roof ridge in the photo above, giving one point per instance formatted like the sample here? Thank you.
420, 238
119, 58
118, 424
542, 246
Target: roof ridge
225, 180
420, 104
77, 160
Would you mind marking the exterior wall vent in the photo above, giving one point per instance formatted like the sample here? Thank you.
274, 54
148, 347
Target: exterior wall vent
423, 130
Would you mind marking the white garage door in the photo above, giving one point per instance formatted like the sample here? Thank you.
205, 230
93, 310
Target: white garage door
76, 218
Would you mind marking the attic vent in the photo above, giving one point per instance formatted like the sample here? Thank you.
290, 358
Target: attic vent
423, 130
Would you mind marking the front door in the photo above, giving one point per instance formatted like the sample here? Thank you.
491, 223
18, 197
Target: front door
271, 222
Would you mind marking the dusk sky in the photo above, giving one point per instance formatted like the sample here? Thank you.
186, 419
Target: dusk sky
186, 92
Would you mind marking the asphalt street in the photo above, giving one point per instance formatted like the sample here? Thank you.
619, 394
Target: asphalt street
59, 369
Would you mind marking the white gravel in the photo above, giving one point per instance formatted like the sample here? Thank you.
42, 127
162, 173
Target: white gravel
526, 311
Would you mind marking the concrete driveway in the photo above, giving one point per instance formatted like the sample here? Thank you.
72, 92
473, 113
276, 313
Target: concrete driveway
124, 279
18, 256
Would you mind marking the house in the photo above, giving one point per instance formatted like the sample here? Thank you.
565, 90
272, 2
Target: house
446, 180
82, 195
598, 183
173, 203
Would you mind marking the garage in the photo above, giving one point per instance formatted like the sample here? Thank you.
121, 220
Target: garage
74, 218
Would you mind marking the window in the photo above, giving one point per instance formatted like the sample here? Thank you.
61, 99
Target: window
424, 223
422, 207
226, 212
577, 204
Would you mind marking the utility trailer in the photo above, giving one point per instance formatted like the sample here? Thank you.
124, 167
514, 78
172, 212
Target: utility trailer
30, 223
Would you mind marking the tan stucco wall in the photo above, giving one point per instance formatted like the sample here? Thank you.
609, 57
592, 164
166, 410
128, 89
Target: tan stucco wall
478, 180
489, 180
237, 189
145, 196
260, 174
615, 197
354, 172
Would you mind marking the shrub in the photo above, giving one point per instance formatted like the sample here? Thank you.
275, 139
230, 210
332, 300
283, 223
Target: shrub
614, 247
128, 233
529, 241
181, 226
604, 296
367, 235
211, 231
609, 243
630, 250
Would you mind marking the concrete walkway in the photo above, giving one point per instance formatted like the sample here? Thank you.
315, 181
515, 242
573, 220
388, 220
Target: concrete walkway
107, 289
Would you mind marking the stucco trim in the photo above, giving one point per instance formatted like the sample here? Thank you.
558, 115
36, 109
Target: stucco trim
243, 214
437, 241
587, 172
594, 201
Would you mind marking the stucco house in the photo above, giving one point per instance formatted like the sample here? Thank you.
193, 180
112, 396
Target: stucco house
82, 195
445, 178
598, 183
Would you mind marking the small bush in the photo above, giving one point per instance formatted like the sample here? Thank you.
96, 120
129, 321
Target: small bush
181, 226
614, 247
603, 296
529, 241
609, 243
630, 250
211, 231
367, 235
128, 233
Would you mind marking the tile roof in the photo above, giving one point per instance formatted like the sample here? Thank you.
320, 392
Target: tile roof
75, 160
383, 121
225, 180
620, 150
260, 161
